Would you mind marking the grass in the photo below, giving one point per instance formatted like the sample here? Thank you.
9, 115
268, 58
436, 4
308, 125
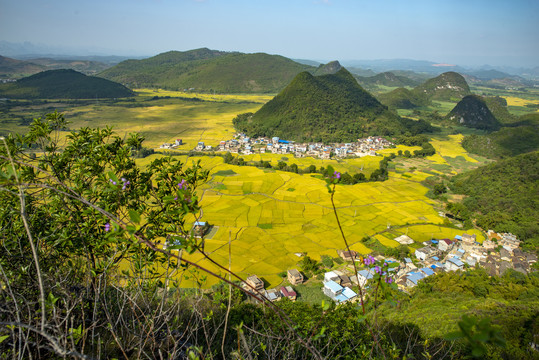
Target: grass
311, 293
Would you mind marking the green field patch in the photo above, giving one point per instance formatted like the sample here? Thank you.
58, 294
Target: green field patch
265, 226
227, 172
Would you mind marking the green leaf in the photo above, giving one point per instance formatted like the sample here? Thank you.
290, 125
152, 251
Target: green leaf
134, 216
113, 176
2, 338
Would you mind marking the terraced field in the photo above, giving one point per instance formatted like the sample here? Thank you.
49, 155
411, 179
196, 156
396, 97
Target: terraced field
272, 215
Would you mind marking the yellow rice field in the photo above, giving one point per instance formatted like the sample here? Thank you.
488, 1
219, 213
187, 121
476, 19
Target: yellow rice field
516, 101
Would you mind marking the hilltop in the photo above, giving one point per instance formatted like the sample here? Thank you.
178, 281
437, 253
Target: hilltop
63, 84
402, 98
207, 70
446, 86
329, 108
472, 111
386, 79
330, 68
449, 86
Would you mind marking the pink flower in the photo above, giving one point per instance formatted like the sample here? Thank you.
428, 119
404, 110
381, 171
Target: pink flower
336, 175
107, 227
182, 184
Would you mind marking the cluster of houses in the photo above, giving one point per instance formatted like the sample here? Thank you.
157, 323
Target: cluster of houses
245, 145
496, 254
174, 145
255, 285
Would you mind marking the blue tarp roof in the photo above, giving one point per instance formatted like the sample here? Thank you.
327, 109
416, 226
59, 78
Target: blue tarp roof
458, 237
408, 260
456, 261
284, 141
415, 277
333, 286
349, 293
341, 298
366, 274
427, 271
200, 223
434, 241
435, 258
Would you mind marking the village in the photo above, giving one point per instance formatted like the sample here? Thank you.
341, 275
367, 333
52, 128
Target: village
244, 145
497, 254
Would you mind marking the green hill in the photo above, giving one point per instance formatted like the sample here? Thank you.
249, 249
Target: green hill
504, 196
447, 86
386, 79
521, 138
63, 84
402, 98
208, 70
472, 111
329, 108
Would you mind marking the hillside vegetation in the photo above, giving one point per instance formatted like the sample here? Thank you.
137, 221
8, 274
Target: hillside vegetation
322, 108
402, 98
520, 138
207, 70
386, 79
63, 84
447, 86
504, 196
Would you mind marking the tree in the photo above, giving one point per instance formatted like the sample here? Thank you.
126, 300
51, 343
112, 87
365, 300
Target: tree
72, 218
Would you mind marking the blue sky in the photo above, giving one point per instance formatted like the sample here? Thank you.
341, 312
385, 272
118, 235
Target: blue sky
471, 32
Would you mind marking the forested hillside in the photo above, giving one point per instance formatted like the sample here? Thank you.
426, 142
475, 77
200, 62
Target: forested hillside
208, 71
504, 196
63, 84
323, 108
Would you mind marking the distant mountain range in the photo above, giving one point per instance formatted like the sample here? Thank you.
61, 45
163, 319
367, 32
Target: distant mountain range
63, 84
16, 69
328, 108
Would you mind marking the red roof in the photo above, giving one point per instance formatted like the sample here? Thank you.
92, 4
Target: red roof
288, 293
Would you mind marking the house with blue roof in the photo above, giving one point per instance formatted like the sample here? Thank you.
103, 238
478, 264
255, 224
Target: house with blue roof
453, 264
363, 276
413, 278
332, 289
349, 293
426, 271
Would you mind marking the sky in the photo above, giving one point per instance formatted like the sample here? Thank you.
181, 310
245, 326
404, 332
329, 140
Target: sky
463, 32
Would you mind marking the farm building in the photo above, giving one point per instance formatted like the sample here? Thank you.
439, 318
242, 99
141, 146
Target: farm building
294, 277
288, 291
255, 282
348, 255
200, 228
